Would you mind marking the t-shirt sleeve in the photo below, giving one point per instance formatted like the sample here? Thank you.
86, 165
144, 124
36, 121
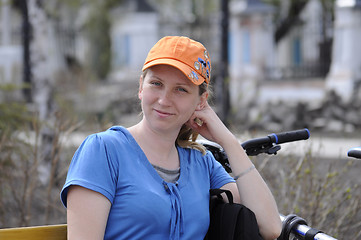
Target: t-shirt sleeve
218, 175
92, 167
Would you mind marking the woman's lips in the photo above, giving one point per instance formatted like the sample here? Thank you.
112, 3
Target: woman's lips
163, 114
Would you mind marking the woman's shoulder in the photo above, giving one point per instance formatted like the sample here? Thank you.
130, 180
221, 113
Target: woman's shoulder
114, 135
112, 132
196, 155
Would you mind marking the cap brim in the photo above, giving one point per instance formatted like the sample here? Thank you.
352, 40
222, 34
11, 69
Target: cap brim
177, 64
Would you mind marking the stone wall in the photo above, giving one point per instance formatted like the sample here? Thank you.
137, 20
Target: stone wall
329, 115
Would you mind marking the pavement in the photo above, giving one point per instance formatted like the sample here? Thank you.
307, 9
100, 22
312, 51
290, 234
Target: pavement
322, 147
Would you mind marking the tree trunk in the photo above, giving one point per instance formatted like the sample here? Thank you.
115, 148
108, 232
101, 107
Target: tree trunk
43, 70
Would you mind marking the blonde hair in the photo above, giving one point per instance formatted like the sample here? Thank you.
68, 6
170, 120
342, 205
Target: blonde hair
187, 136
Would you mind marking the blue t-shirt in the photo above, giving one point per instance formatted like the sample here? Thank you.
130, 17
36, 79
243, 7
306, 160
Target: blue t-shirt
144, 206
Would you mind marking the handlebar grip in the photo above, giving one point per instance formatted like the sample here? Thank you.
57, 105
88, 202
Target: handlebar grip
354, 152
290, 136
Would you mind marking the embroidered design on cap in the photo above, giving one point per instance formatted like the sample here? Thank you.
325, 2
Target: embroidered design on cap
206, 54
197, 65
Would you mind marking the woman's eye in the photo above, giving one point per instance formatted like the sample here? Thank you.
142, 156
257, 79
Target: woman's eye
156, 83
182, 89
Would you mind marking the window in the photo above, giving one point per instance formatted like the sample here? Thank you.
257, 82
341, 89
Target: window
296, 52
246, 47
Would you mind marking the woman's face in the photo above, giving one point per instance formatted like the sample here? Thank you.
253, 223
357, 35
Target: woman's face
168, 98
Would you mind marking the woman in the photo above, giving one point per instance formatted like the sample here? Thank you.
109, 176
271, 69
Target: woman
152, 180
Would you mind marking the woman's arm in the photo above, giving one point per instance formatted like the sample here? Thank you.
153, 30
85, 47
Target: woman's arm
252, 190
87, 214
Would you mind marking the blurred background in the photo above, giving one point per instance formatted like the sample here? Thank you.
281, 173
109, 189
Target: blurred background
69, 68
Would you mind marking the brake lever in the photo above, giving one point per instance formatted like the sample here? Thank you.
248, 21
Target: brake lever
269, 149
274, 149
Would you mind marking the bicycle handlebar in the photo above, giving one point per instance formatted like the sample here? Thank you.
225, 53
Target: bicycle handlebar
256, 146
354, 152
291, 136
298, 226
269, 144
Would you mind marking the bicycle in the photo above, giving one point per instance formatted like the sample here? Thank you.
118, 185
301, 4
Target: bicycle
293, 226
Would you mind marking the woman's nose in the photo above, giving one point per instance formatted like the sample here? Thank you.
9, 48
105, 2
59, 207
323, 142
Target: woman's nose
165, 98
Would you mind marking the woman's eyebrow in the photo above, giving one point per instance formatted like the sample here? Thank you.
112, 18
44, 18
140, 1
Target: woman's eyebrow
186, 82
155, 77
183, 84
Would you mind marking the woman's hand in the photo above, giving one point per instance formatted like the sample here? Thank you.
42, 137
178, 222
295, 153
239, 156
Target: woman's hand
206, 122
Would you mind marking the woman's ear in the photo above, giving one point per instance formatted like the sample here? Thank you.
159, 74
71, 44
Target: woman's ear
140, 87
202, 102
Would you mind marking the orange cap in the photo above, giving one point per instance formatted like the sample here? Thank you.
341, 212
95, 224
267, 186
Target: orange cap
187, 55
